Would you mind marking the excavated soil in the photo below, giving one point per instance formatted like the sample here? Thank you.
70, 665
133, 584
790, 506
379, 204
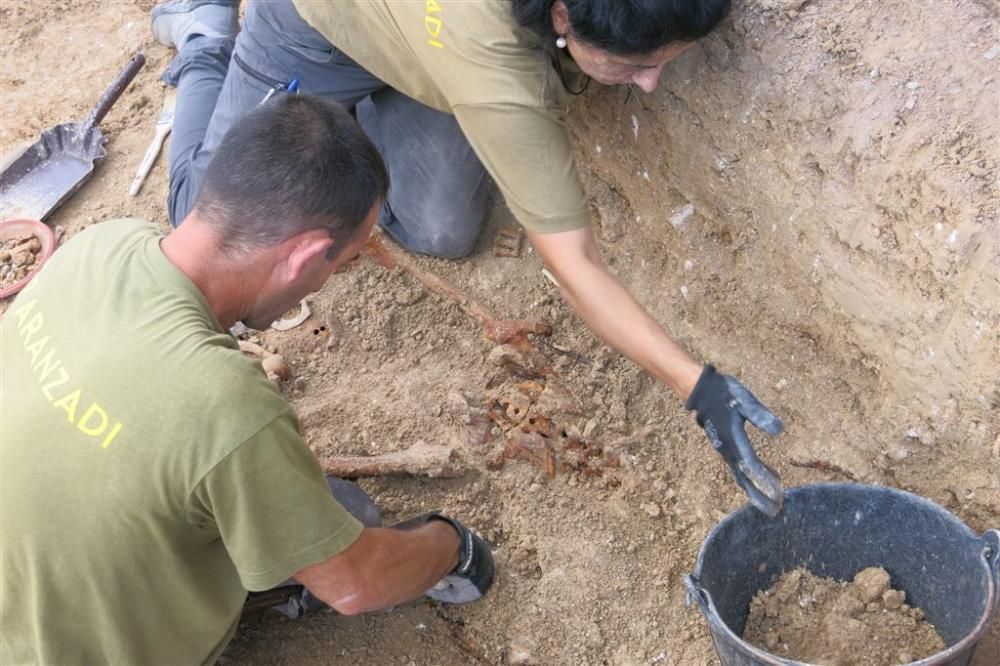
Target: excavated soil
18, 258
825, 232
835, 623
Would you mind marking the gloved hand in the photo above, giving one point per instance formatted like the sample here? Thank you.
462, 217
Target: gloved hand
473, 575
722, 405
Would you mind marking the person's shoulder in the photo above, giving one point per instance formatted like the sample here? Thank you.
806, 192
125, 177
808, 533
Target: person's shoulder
121, 226
486, 27
240, 371
216, 377
114, 231
495, 60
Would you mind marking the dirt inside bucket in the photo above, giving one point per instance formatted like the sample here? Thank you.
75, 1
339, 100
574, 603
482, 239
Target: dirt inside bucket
824, 621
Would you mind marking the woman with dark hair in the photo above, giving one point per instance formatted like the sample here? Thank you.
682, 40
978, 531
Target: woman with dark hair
451, 91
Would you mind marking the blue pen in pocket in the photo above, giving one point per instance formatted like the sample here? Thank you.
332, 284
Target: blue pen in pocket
292, 87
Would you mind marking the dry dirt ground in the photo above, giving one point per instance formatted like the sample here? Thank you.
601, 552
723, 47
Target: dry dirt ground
590, 558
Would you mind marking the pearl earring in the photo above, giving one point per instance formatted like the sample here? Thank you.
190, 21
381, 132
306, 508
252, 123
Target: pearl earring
561, 42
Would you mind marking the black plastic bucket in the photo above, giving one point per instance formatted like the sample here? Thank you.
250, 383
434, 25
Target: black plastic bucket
835, 530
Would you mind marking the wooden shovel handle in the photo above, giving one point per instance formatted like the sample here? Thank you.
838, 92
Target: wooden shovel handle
115, 90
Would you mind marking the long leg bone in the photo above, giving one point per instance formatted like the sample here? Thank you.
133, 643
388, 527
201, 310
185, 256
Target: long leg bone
500, 331
421, 459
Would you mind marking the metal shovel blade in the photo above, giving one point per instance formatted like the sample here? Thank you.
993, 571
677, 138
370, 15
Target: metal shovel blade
57, 165
50, 171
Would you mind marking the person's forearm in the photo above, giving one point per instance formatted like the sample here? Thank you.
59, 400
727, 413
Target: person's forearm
384, 567
618, 319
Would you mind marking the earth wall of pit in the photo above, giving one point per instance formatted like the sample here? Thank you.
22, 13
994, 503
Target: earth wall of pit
839, 162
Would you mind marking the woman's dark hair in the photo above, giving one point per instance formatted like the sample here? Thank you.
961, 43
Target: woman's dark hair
626, 27
292, 165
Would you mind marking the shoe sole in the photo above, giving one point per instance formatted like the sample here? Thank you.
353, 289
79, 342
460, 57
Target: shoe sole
175, 9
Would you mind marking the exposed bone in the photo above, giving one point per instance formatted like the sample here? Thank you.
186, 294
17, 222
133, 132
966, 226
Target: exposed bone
500, 331
275, 367
550, 277
248, 347
291, 322
421, 459
274, 364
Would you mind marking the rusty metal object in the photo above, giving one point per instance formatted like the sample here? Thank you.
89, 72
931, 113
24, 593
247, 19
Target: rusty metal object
507, 242
421, 459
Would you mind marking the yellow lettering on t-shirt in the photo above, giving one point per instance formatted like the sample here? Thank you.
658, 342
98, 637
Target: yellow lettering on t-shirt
48, 365
62, 379
111, 435
433, 24
32, 327
86, 427
50, 374
69, 402
35, 348
22, 312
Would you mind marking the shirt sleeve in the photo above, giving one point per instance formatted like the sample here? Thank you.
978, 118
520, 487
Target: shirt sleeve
272, 507
528, 153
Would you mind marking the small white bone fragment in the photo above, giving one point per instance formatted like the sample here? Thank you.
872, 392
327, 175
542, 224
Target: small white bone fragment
550, 277
292, 322
253, 348
275, 367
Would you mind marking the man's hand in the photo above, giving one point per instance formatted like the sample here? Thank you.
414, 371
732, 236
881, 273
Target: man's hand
723, 405
472, 576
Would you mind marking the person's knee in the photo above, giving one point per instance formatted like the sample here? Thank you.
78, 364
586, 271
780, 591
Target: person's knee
450, 246
179, 197
437, 224
438, 234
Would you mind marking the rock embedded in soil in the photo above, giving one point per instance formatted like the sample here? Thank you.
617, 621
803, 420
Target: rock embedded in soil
828, 622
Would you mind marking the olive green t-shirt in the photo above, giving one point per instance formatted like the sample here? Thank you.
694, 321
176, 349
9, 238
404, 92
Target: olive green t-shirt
149, 473
472, 59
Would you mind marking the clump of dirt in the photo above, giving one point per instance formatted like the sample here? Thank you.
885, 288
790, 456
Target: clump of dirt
19, 256
825, 621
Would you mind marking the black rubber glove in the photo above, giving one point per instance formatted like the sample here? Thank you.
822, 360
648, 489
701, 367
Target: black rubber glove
473, 575
723, 405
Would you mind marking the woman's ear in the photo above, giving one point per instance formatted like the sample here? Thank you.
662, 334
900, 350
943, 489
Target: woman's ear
560, 18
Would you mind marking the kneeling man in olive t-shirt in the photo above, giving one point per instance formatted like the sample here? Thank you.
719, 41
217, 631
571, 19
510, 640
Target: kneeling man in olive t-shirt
151, 474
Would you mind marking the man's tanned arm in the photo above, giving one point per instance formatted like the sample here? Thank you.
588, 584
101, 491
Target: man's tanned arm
383, 568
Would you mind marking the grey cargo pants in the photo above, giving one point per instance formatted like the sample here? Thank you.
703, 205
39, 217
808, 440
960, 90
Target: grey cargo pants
438, 194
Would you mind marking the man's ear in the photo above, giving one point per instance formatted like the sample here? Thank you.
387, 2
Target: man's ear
304, 250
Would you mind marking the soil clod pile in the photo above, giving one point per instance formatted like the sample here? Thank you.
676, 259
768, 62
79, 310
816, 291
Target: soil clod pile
824, 621
18, 257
